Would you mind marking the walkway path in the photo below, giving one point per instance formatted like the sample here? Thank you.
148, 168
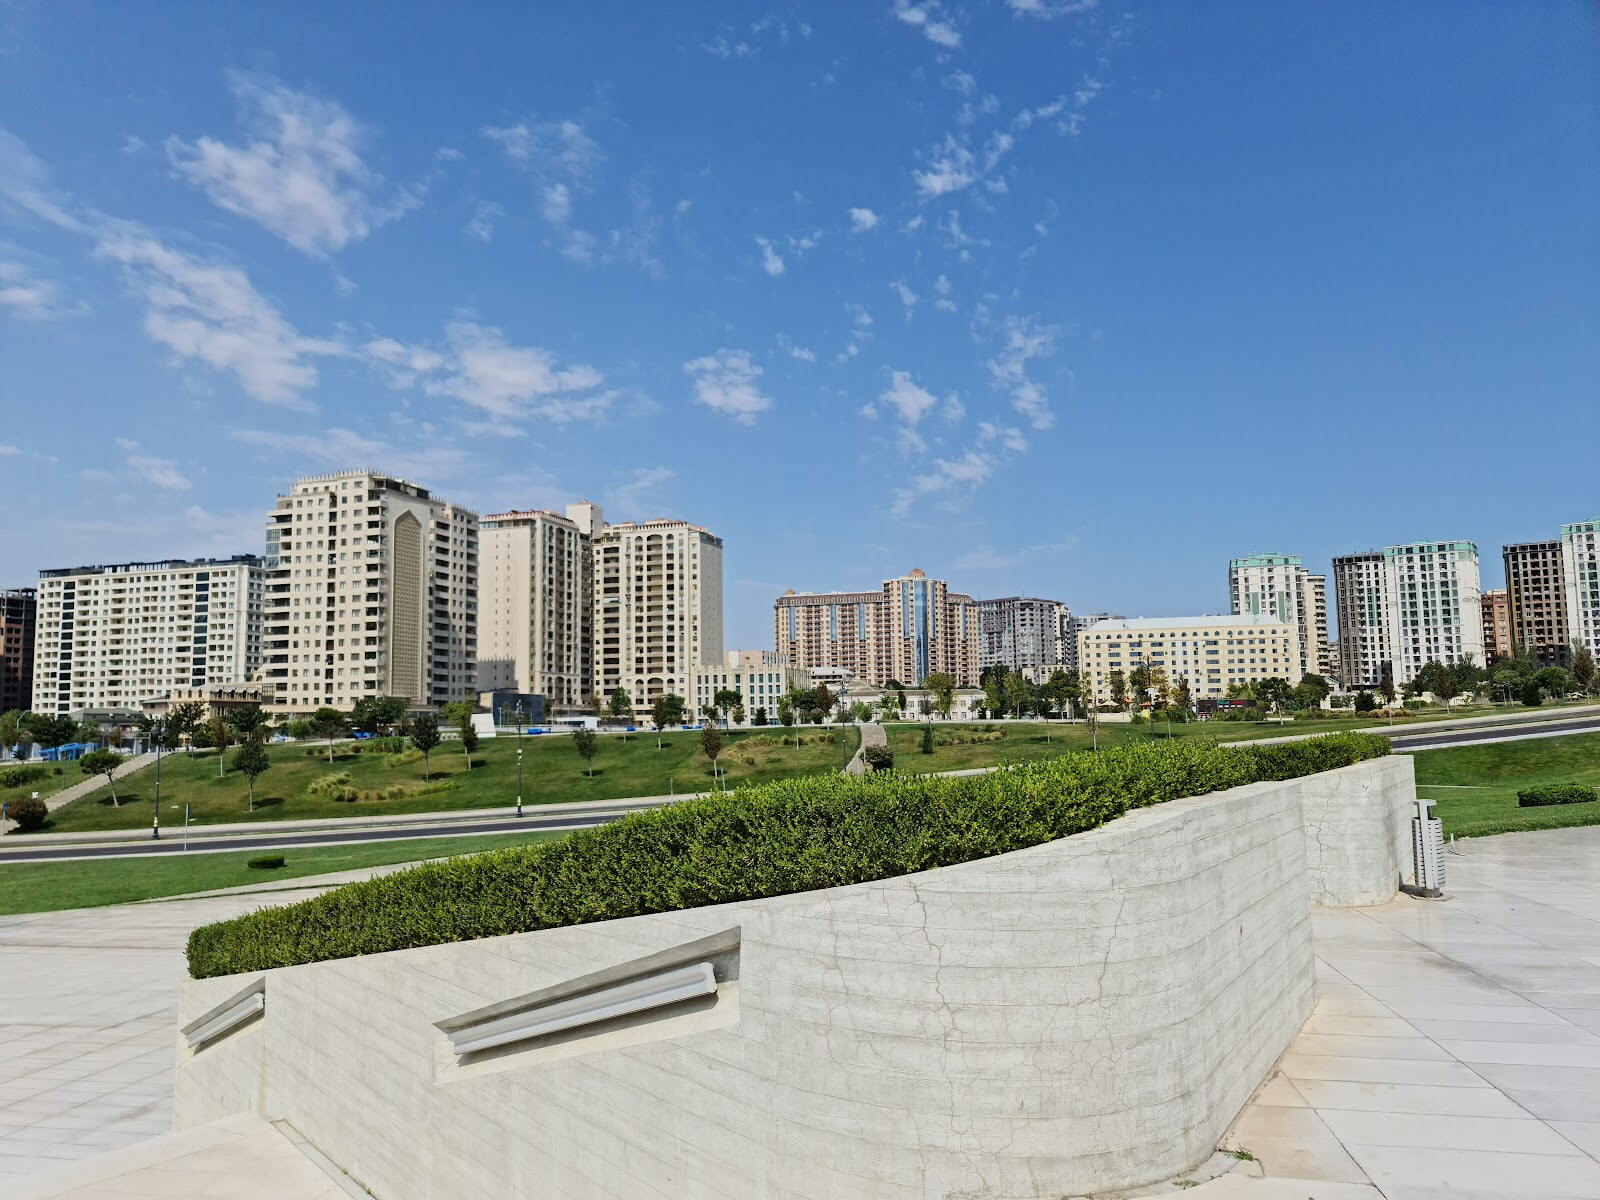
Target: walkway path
1454, 1051
872, 734
91, 783
1455, 1047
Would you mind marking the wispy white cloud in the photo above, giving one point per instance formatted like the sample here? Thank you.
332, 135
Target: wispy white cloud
481, 225
158, 472
641, 490
907, 296
300, 176
1049, 10
771, 260
944, 475
862, 220
906, 398
550, 149
794, 351
7, 450
1025, 340
953, 168
929, 18
339, 449
727, 382
25, 293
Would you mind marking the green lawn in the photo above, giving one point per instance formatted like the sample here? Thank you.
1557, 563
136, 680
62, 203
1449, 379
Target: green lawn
1476, 786
69, 774
552, 773
89, 883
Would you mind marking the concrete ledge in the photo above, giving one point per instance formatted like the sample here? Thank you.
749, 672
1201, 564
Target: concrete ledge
1081, 1016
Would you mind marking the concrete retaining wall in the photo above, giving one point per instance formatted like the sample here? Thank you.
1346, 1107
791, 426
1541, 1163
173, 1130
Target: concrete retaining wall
1080, 1016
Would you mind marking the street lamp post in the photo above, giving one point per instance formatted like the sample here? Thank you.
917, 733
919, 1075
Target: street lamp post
158, 734
519, 757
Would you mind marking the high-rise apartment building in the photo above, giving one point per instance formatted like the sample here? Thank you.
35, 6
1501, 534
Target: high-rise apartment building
1209, 653
1496, 624
905, 631
371, 591
112, 637
1580, 577
536, 607
18, 607
1279, 585
657, 612
1404, 606
1537, 599
1022, 633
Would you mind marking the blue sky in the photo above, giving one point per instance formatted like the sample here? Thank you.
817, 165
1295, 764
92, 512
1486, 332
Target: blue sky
1069, 299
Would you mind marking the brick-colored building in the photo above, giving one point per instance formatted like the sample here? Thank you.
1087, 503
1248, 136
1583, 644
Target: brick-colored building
1537, 600
18, 607
908, 629
1496, 624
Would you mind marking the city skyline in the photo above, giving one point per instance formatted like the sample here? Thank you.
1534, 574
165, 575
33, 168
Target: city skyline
998, 242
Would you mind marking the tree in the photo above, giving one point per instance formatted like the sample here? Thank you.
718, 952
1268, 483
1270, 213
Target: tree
1386, 683
1117, 685
103, 762
786, 714
299, 728
927, 739
218, 734
469, 733
1057, 690
88, 730
378, 714
49, 732
666, 710
184, 717
424, 733
942, 686
10, 731
711, 746
1532, 696
737, 715
709, 712
1016, 692
1553, 681
861, 711
726, 700
994, 692
586, 742
879, 758
1581, 664
1466, 676
619, 706
822, 700
251, 761
1184, 699
1366, 702
249, 722
760, 718
1272, 691
330, 723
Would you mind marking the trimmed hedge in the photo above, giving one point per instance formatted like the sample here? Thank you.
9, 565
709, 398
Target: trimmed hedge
21, 776
1556, 793
264, 862
793, 835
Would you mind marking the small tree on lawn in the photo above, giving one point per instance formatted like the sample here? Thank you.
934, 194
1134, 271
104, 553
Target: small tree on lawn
251, 761
711, 746
184, 718
760, 718
586, 742
1581, 666
786, 715
103, 762
620, 707
726, 700
469, 735
879, 758
943, 687
220, 736
425, 736
330, 723
927, 739
667, 710
249, 722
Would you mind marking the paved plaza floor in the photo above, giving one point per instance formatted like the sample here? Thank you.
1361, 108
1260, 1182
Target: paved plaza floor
1454, 1050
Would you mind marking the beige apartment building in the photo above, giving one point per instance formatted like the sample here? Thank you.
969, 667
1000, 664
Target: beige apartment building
1536, 597
1209, 652
371, 590
1279, 585
657, 611
108, 638
536, 606
905, 631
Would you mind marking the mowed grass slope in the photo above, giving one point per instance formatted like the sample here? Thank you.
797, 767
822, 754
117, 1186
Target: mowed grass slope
89, 883
552, 773
1476, 786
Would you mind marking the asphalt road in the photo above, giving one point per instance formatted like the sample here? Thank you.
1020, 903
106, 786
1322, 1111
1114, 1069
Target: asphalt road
1492, 733
172, 843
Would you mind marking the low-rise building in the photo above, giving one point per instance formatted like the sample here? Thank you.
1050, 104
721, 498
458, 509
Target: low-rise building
1210, 653
219, 701
759, 684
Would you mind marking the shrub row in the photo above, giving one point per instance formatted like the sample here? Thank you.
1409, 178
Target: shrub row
1556, 793
768, 840
20, 776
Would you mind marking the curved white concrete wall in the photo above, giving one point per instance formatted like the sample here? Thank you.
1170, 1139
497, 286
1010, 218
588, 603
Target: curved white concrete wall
1080, 1016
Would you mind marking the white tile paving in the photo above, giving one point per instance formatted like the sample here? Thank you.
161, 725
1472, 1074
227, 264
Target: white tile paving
1454, 1050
